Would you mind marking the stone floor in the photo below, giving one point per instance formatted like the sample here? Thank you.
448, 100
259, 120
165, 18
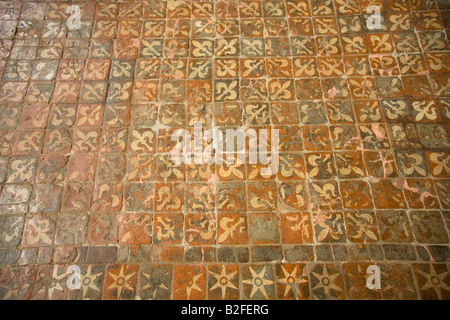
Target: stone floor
86, 179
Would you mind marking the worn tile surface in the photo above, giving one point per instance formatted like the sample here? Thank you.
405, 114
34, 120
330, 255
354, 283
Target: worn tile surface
87, 182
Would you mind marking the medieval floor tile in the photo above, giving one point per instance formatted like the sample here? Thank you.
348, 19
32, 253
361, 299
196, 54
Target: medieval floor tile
189, 282
433, 281
120, 282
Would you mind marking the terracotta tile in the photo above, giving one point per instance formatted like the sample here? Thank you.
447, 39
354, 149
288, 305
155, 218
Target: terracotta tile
397, 282
329, 226
437, 164
433, 281
325, 195
350, 24
262, 196
428, 227
120, 282
34, 117
169, 197
296, 228
18, 283
167, 228
45, 198
320, 165
383, 186
86, 140
316, 138
223, 282
326, 282
135, 228
264, 228
107, 197
51, 282
292, 281
361, 226
380, 164
417, 86
354, 44
21, 169
90, 115
200, 229
232, 229
258, 282
155, 281
28, 142
420, 193
57, 141
81, 167
166, 253
368, 111
113, 140
71, 229
77, 197
91, 285
356, 277
110, 167
292, 196
189, 282
345, 137
11, 229
138, 197
356, 195
350, 164
38, 231
102, 229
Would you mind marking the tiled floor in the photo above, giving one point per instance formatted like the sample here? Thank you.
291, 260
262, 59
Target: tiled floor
86, 117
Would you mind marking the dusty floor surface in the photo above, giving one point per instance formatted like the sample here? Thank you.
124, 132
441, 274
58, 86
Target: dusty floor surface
86, 117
